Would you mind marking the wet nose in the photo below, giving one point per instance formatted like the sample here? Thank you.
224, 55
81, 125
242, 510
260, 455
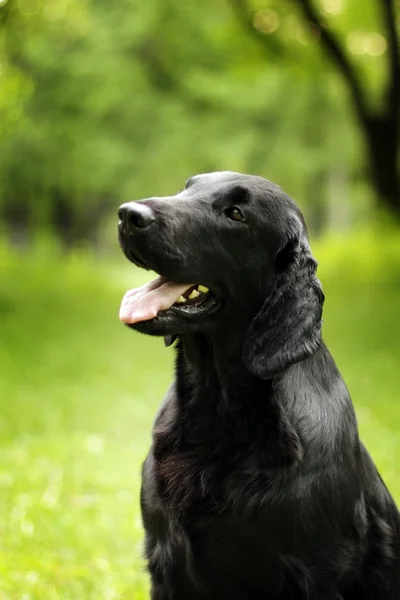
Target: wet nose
134, 215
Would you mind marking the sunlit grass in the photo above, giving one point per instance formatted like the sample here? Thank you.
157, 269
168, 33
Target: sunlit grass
78, 395
79, 392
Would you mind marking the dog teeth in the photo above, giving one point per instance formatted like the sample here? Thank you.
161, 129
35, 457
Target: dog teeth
193, 294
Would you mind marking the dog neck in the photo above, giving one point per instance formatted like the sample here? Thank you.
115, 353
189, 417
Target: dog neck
216, 361
216, 396
216, 407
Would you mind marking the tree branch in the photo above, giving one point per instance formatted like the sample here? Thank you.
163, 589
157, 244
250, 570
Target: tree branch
269, 44
339, 57
393, 86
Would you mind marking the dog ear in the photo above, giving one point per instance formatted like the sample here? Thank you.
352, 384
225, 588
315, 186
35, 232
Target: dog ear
288, 327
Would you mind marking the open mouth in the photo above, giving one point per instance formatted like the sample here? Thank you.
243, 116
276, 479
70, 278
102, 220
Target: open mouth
161, 296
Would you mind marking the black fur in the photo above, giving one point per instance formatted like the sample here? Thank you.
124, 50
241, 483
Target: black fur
256, 486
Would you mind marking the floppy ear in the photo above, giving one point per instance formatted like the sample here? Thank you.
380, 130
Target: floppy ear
288, 327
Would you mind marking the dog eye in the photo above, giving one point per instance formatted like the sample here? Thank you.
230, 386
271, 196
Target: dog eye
234, 213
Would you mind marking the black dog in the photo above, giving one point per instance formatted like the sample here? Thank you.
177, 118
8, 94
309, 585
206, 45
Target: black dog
256, 486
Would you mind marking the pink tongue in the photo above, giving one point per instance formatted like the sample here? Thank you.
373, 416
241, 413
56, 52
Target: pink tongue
145, 302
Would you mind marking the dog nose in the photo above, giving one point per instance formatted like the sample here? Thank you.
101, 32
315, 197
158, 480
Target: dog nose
134, 215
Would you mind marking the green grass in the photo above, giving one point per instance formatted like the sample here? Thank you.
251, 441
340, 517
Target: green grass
79, 392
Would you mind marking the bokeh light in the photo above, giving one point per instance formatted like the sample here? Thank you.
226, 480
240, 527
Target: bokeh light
266, 21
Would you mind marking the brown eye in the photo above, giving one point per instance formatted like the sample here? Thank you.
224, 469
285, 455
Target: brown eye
234, 213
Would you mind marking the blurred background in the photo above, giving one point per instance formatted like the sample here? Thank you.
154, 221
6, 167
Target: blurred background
104, 102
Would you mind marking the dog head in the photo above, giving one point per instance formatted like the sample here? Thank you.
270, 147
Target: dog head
231, 251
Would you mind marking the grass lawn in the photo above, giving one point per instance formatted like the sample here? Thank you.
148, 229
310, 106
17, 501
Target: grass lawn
79, 392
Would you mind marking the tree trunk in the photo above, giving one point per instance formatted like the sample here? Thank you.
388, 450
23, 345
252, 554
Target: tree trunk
383, 146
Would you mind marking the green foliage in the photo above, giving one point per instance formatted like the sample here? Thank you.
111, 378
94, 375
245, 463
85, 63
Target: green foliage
79, 393
102, 102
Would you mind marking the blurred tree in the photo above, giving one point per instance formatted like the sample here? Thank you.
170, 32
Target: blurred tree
101, 102
368, 30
